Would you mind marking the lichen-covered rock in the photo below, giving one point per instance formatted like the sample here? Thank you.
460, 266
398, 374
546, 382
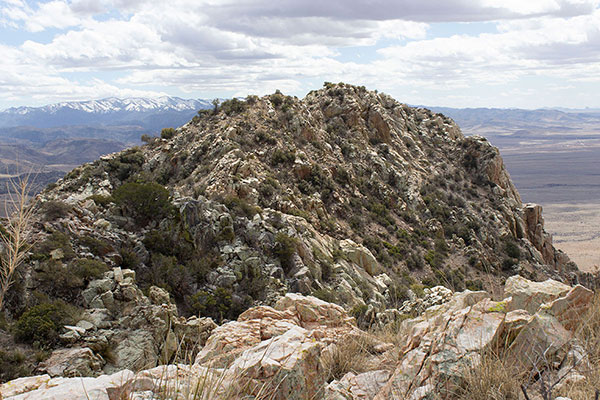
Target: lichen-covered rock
261, 323
22, 385
570, 308
539, 341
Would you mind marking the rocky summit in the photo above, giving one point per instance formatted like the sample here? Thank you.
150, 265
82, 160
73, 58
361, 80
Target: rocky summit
248, 246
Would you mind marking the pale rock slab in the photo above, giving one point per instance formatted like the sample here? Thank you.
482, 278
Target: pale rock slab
529, 295
76, 388
72, 362
569, 309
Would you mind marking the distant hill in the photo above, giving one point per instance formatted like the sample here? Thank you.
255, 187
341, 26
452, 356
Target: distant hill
502, 120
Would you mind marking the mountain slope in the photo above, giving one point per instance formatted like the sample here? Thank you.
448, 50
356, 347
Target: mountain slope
345, 194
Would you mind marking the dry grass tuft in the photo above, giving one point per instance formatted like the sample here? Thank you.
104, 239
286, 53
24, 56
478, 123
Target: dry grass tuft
493, 379
354, 353
588, 337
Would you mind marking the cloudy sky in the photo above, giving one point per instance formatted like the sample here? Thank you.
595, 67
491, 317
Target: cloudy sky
457, 53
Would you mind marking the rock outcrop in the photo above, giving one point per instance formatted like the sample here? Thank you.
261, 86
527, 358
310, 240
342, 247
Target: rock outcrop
137, 331
281, 352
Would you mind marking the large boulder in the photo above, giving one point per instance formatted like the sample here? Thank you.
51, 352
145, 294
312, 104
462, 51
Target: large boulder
361, 256
262, 323
529, 295
72, 388
569, 309
288, 365
443, 343
72, 362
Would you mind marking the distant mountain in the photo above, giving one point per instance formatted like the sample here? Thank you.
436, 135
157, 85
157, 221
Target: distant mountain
511, 119
147, 113
57, 137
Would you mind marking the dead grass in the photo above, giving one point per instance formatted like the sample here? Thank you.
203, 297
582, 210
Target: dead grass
497, 379
493, 379
588, 336
358, 353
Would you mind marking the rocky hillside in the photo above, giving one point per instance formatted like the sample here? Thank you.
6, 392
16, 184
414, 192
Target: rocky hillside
464, 346
346, 195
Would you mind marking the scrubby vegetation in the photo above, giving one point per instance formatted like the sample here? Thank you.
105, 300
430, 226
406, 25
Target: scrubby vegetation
167, 133
143, 201
42, 324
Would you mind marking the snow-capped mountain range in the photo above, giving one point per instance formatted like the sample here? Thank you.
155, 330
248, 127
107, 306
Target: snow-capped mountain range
113, 104
150, 113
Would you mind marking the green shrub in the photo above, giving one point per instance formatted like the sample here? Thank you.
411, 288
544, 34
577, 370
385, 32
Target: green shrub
143, 201
42, 324
98, 247
233, 106
126, 163
269, 187
101, 200
508, 263
56, 240
13, 365
159, 241
512, 249
67, 281
284, 249
325, 295
277, 98
87, 269
167, 133
129, 258
418, 289
168, 273
240, 206
218, 305
147, 138
55, 209
360, 313
280, 156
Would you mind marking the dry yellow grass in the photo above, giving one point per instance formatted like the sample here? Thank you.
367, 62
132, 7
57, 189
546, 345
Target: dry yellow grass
588, 337
496, 378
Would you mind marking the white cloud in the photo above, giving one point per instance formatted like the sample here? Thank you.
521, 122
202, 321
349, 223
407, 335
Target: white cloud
227, 46
54, 14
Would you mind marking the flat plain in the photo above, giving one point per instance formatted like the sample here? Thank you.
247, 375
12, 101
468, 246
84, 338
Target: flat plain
553, 158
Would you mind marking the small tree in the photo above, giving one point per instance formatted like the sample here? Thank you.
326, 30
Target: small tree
16, 233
